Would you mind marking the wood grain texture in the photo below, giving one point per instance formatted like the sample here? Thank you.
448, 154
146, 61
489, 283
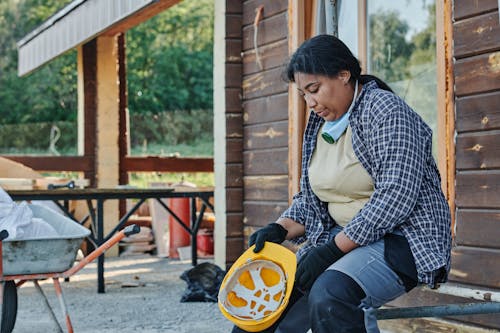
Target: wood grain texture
477, 74
269, 30
478, 150
478, 227
234, 200
259, 213
234, 225
265, 136
234, 175
271, 56
478, 112
477, 266
266, 188
265, 162
479, 34
478, 189
271, 8
263, 84
234, 150
468, 8
265, 109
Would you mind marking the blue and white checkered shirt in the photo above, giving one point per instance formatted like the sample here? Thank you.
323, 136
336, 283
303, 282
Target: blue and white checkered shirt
394, 145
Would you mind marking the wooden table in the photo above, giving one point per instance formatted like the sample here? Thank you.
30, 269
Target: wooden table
61, 197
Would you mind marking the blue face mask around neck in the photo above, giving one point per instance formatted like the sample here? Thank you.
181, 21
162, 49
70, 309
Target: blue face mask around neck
333, 130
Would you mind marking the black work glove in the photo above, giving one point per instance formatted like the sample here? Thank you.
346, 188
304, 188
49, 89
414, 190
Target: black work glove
273, 232
315, 262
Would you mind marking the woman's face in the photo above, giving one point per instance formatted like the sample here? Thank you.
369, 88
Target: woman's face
328, 97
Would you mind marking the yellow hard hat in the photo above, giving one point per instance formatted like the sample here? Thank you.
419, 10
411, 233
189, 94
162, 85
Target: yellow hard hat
256, 289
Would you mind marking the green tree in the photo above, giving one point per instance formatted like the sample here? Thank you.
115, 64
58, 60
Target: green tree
47, 94
169, 60
389, 49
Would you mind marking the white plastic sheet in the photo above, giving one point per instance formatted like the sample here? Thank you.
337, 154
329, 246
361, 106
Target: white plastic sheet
19, 222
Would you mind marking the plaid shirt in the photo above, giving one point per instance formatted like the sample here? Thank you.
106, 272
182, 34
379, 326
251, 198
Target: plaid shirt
394, 145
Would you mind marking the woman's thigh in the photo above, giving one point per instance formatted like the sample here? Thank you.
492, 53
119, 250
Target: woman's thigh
366, 265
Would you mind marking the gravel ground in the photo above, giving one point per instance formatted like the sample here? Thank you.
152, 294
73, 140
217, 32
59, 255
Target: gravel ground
142, 295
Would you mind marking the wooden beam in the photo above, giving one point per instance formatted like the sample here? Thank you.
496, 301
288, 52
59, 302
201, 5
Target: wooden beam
123, 119
140, 17
296, 106
89, 58
55, 163
168, 164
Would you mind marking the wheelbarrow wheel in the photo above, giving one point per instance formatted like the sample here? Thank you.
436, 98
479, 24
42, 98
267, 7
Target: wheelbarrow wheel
9, 306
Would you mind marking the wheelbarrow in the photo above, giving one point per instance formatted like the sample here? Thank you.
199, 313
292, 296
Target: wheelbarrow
39, 259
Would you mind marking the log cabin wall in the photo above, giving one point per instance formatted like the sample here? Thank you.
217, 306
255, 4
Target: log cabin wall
476, 54
476, 251
265, 114
232, 140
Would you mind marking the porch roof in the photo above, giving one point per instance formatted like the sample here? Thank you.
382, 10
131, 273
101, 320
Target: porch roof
79, 22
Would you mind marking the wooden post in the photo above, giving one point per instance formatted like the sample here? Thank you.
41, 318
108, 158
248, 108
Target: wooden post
107, 126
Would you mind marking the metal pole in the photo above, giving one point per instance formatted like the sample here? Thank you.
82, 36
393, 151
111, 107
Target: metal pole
438, 310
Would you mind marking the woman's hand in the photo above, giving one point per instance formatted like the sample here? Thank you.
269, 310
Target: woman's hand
315, 262
273, 232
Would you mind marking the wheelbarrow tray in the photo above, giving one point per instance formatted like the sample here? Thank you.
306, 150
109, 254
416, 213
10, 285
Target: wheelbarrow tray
44, 255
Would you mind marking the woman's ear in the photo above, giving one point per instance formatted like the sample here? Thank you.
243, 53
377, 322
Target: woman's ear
345, 76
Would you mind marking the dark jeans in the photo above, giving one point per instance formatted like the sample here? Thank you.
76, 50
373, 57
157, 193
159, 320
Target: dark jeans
333, 306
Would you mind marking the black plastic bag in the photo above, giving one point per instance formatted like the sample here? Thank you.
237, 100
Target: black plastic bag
203, 283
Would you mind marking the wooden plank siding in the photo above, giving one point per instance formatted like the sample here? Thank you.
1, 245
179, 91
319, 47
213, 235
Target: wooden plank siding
476, 52
265, 114
234, 131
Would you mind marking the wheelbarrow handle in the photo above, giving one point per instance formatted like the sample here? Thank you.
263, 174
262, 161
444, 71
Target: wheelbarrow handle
132, 229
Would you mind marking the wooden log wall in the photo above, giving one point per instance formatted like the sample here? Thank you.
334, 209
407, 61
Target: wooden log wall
476, 68
265, 114
476, 32
234, 132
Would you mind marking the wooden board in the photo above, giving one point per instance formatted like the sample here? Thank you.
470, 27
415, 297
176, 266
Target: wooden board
478, 227
271, 8
266, 188
266, 109
480, 150
270, 55
479, 34
258, 213
269, 30
266, 162
234, 225
17, 183
234, 200
477, 266
264, 84
467, 8
478, 189
478, 112
264, 136
477, 74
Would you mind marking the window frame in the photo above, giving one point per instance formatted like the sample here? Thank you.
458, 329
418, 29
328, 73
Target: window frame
301, 23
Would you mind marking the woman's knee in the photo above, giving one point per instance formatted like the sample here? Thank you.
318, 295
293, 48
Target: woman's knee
335, 287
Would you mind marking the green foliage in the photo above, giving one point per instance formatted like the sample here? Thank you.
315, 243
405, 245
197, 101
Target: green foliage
171, 128
170, 60
15, 139
169, 68
49, 94
389, 50
408, 65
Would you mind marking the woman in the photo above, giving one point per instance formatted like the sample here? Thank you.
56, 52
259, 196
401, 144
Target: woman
371, 216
